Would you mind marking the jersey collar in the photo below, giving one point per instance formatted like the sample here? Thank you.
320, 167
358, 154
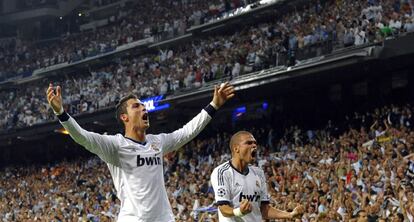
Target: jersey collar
136, 141
242, 173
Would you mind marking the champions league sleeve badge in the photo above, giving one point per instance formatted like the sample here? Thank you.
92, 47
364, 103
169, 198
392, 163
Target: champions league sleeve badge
221, 192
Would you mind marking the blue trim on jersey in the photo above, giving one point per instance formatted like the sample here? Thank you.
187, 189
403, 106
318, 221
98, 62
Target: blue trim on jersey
63, 117
220, 174
265, 202
210, 110
136, 141
242, 173
222, 202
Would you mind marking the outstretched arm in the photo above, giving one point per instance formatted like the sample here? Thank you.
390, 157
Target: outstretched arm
269, 212
180, 137
102, 145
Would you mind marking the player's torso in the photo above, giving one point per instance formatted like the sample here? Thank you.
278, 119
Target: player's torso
245, 187
141, 159
141, 180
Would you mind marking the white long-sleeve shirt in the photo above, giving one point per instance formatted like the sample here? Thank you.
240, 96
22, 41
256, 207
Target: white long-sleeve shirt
137, 168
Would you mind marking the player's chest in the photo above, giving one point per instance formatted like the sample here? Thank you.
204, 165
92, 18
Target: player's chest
249, 184
138, 156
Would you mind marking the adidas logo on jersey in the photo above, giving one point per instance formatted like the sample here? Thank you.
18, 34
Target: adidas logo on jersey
255, 197
153, 160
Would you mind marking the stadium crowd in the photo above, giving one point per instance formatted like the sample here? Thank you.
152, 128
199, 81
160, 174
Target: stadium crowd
161, 19
299, 34
359, 169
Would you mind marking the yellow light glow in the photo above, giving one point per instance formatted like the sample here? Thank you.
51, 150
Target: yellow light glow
62, 131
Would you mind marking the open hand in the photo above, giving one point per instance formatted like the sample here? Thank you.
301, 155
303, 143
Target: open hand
222, 94
54, 98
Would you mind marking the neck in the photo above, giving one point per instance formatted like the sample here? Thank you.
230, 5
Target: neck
240, 165
135, 134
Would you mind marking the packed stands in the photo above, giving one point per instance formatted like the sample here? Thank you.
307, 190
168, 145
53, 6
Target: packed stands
358, 166
305, 33
161, 19
337, 172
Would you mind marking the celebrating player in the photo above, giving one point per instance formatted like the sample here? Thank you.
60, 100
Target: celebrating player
240, 189
135, 159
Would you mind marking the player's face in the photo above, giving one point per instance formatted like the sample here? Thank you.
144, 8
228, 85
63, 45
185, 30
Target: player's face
137, 114
246, 149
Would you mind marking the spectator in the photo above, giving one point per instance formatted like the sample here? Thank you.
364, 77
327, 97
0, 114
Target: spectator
189, 65
343, 177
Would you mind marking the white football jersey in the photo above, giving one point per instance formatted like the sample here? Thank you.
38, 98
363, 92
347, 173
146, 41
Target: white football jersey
137, 168
231, 187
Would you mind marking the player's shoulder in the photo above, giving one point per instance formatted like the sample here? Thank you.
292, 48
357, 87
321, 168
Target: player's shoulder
256, 170
155, 137
224, 165
117, 137
121, 139
220, 173
220, 169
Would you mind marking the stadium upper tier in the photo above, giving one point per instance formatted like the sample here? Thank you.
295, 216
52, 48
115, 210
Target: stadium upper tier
161, 19
306, 32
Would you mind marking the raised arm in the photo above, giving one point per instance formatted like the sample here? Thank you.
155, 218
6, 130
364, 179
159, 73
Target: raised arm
405, 159
372, 127
180, 137
102, 145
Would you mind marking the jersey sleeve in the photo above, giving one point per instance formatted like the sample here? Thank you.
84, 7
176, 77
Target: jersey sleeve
221, 185
264, 194
180, 137
106, 147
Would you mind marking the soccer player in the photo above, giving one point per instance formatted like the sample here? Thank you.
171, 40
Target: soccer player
240, 188
135, 159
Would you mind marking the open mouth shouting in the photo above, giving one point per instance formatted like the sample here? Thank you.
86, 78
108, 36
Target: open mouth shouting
145, 117
254, 154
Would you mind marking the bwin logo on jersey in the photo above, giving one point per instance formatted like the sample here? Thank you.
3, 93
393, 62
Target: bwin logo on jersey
255, 197
152, 160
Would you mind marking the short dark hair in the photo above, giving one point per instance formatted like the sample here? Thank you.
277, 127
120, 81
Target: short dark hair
235, 138
121, 107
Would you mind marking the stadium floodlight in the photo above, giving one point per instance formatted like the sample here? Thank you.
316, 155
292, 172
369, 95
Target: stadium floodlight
61, 131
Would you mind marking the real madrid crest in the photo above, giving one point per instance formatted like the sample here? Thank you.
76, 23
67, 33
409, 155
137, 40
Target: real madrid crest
154, 146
